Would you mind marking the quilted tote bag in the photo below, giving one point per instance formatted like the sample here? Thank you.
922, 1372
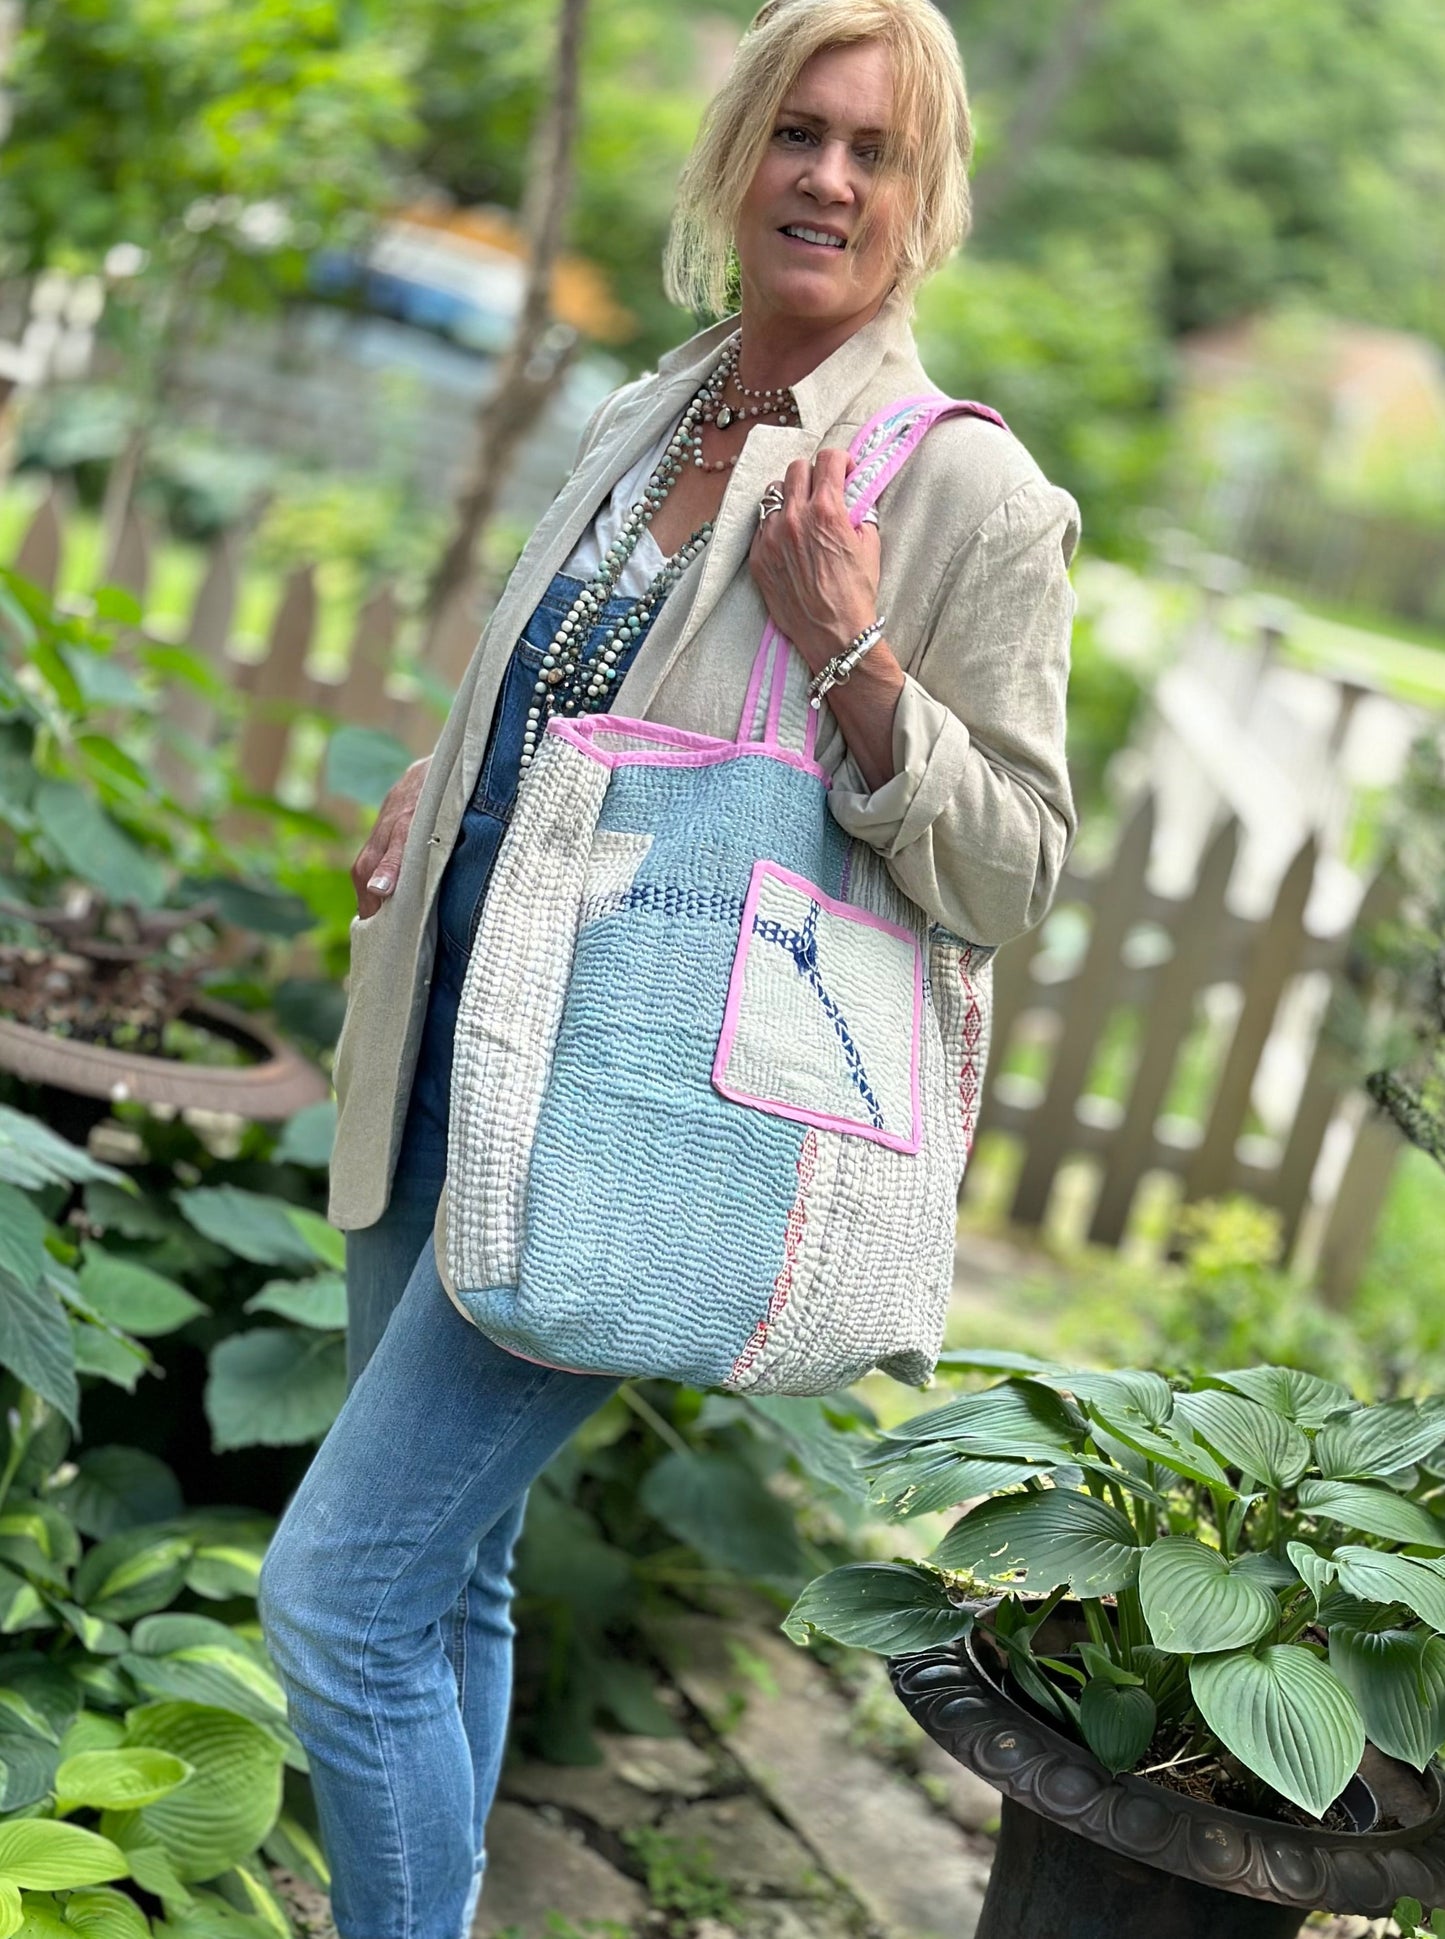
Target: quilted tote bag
715, 1076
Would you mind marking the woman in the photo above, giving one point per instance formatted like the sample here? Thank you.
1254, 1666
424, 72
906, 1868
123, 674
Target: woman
706, 497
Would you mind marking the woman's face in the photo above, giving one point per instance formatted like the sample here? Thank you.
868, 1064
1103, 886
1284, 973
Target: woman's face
819, 172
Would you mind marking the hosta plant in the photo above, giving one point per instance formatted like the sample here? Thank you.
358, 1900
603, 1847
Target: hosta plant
1258, 1561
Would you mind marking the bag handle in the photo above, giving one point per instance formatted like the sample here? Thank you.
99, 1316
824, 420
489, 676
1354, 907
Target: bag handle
776, 713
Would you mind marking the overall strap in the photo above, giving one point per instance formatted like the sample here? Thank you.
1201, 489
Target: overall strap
776, 712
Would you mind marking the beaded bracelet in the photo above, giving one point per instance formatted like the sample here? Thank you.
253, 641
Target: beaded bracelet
842, 664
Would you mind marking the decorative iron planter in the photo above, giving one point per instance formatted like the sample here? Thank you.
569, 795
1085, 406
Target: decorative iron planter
1083, 1855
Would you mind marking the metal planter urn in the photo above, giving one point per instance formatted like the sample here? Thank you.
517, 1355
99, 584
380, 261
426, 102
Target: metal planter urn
1083, 1855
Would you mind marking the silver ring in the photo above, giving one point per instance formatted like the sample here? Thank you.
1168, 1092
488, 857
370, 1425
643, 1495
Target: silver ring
766, 510
870, 517
771, 501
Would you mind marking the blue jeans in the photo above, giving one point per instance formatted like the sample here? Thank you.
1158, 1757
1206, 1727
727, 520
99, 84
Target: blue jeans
386, 1595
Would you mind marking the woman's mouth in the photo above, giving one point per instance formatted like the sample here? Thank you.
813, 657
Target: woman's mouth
812, 238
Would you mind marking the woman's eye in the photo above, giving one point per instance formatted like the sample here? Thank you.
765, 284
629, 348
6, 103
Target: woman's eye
786, 132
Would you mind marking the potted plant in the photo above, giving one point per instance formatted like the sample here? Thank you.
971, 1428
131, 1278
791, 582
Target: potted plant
1193, 1630
127, 917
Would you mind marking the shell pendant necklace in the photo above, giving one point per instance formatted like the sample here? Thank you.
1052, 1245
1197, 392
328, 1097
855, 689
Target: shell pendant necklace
567, 682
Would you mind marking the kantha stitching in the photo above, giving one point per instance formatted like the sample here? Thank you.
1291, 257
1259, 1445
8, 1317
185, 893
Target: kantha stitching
802, 946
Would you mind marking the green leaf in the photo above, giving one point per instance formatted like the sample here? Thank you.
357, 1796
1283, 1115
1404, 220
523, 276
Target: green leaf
95, 848
1307, 1399
117, 604
44, 1528
118, 1780
45, 1857
19, 1600
100, 1637
43, 1918
1258, 1441
995, 1360
1184, 1457
804, 1428
12, 1914
1316, 1571
1376, 1441
274, 1388
363, 764
32, 1155
1118, 1723
115, 1488
719, 1507
162, 1635
1376, 1511
27, 1769
923, 1479
268, 1231
294, 1849
215, 1674
102, 1914
1019, 1420
149, 1865
1194, 1601
257, 906
308, 1137
231, 1801
109, 1355
1378, 1577
1046, 1539
212, 1917
628, 1692
91, 1731
318, 1302
1146, 1394
131, 1213
1397, 1678
1286, 1716
890, 1607
223, 1571
35, 1343
132, 1296
132, 1573
22, 1236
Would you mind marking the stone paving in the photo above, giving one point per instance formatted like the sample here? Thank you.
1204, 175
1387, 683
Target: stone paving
767, 1818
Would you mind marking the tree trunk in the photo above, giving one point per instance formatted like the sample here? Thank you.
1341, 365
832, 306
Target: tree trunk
540, 350
1047, 88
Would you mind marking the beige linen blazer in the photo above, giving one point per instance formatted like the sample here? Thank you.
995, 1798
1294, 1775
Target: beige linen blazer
977, 819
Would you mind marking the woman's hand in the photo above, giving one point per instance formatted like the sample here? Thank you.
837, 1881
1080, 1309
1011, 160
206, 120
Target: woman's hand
819, 579
817, 574
374, 872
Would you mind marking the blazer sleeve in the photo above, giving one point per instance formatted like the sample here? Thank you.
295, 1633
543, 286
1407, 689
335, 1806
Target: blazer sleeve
977, 819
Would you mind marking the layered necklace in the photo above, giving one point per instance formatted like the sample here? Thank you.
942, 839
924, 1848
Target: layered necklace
568, 683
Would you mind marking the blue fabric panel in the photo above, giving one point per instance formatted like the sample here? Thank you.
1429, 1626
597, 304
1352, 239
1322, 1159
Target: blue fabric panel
636, 1156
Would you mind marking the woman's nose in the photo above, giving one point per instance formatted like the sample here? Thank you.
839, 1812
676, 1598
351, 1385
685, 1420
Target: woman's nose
827, 175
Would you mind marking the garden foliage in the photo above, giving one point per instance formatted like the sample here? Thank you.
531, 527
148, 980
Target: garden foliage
1258, 1558
143, 1742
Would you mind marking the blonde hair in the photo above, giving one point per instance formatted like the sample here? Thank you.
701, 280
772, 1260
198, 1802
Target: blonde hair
929, 145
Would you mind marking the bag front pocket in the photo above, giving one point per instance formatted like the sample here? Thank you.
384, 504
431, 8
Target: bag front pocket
824, 1009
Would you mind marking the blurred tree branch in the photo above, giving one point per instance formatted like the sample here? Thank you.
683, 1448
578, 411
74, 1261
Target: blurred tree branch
541, 349
1049, 85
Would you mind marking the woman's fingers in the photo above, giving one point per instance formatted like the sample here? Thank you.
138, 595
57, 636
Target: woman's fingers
830, 472
376, 870
797, 486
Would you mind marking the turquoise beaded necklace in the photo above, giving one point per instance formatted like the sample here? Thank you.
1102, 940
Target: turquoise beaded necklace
568, 685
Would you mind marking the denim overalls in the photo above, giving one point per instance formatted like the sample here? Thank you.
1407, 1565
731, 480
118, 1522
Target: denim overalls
422, 1163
